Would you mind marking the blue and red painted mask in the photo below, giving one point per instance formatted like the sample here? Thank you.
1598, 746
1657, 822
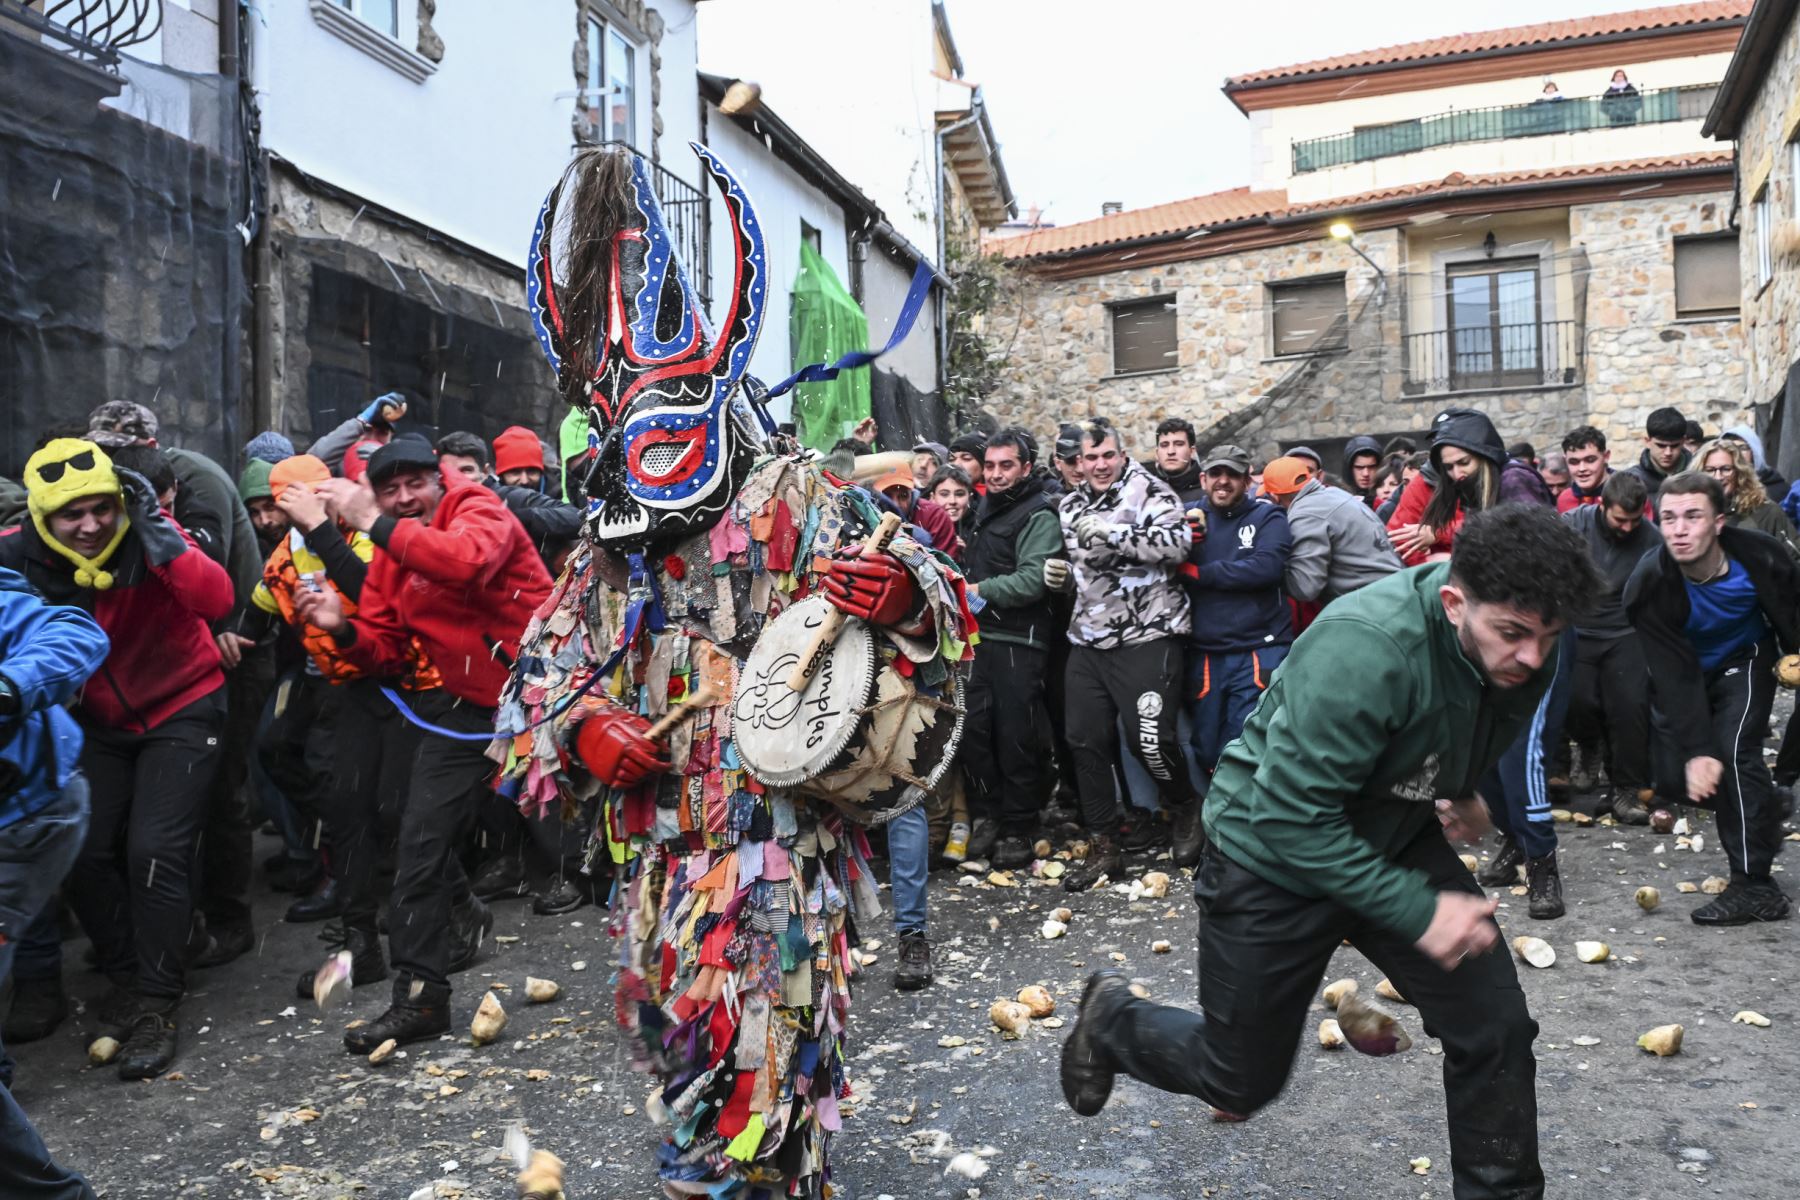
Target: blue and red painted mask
673, 442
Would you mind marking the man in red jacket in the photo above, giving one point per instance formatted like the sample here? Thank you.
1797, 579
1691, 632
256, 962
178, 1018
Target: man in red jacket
455, 569
151, 717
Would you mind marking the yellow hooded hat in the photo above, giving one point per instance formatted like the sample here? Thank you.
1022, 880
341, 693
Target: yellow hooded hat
64, 471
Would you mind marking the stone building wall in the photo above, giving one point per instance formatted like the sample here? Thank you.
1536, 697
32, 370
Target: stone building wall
1639, 356
1772, 317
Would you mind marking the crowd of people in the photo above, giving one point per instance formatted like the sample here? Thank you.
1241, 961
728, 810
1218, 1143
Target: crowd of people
326, 644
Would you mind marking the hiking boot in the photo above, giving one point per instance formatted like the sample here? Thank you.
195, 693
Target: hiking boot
567, 896
1584, 771
1503, 871
1187, 837
1545, 881
1741, 903
470, 923
419, 1011
914, 969
1628, 807
982, 836
1012, 851
1087, 1071
38, 1007
1103, 859
367, 963
323, 903
956, 847
501, 879
1147, 831
150, 1042
224, 945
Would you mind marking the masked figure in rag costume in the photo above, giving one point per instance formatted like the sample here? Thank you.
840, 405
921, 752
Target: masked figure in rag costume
740, 900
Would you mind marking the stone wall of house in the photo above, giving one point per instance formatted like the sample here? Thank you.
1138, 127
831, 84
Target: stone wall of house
1772, 314
1638, 356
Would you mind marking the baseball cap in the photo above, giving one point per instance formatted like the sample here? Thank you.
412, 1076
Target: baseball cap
1309, 454
937, 448
1068, 441
1286, 475
120, 423
898, 477
1234, 458
408, 452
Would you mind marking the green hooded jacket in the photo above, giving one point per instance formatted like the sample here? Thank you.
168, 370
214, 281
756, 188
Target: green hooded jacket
1375, 715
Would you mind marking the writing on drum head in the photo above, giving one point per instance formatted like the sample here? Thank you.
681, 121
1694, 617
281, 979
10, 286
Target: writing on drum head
769, 704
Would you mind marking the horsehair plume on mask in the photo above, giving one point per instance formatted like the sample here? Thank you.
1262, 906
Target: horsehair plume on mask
597, 201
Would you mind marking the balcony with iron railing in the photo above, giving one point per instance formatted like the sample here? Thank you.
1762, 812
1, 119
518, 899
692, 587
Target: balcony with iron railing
684, 211
1537, 119
60, 58
1486, 358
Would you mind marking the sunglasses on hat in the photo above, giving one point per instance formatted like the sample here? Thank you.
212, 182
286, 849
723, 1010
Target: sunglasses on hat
51, 472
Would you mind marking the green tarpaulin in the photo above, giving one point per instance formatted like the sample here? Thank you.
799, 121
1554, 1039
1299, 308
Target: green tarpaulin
825, 323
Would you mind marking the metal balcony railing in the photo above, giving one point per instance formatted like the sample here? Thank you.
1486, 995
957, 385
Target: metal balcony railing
1657, 106
1488, 357
685, 213
93, 31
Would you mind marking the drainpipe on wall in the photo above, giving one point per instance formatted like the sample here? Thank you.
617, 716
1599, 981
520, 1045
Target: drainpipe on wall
262, 252
231, 384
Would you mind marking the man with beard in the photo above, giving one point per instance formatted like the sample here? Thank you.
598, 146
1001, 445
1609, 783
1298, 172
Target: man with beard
1174, 460
1715, 608
1665, 449
1006, 738
1610, 696
1327, 821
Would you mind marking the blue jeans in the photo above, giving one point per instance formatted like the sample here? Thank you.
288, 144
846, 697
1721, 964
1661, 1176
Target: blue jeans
909, 863
1518, 798
1222, 690
35, 854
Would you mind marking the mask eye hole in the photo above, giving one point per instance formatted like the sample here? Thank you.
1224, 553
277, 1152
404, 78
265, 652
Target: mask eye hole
660, 459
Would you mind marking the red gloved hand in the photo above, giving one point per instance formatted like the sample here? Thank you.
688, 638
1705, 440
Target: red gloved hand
612, 745
878, 589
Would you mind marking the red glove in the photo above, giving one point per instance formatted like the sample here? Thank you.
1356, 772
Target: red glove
878, 589
612, 745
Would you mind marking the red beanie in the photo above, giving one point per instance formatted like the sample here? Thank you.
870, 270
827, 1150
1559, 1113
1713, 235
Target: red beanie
517, 447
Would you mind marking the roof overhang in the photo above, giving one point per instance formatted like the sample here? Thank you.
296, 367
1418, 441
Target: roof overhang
1749, 67
972, 152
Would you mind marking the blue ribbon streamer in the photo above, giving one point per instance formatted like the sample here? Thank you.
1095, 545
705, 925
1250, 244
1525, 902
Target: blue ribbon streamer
909, 313
645, 606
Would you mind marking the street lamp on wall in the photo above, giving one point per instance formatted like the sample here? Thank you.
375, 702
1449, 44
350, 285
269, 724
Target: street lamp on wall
1341, 231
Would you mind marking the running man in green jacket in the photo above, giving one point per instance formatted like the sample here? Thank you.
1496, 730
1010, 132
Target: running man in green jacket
1327, 820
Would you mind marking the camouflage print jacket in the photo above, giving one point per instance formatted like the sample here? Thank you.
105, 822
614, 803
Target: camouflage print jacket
1127, 591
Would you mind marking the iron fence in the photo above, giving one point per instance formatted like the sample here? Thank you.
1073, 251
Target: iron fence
1486, 357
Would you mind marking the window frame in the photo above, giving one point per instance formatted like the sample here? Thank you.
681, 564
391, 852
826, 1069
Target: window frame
1712, 314
355, 9
1499, 376
1271, 289
601, 25
1114, 308
1762, 210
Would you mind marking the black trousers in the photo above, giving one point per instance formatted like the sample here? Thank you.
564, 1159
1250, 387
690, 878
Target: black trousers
1612, 698
296, 746
1263, 953
449, 778
372, 754
225, 855
133, 885
1140, 685
1739, 694
1056, 706
1006, 735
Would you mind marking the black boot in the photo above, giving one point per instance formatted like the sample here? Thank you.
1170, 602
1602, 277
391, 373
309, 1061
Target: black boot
1103, 859
1187, 836
38, 1007
367, 963
1147, 832
1545, 881
1087, 1070
225, 944
470, 923
420, 1010
567, 896
324, 903
1504, 870
1743, 902
1628, 807
150, 1042
1012, 851
914, 969
501, 879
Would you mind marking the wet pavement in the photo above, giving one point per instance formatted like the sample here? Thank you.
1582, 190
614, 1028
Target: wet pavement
264, 1101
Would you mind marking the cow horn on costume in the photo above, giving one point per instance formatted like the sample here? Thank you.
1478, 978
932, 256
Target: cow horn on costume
633, 349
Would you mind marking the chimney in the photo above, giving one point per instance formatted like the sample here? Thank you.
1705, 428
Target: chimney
1111, 208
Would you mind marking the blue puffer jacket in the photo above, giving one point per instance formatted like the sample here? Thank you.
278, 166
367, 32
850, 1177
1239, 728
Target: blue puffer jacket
46, 653
1234, 577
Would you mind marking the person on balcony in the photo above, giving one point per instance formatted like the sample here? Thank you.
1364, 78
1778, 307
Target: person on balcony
1621, 102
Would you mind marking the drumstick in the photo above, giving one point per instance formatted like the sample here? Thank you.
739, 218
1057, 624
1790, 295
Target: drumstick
680, 714
833, 624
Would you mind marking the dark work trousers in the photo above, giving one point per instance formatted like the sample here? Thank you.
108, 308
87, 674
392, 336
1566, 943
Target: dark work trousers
1056, 702
1141, 685
373, 753
1516, 788
35, 853
1222, 690
132, 886
297, 746
1787, 761
1263, 952
295, 831
1006, 735
225, 847
1611, 699
448, 780
550, 850
1740, 693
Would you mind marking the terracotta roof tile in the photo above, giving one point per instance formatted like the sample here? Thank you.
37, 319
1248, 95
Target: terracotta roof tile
1521, 37
1201, 213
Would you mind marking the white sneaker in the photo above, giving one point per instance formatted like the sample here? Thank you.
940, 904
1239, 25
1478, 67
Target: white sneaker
956, 848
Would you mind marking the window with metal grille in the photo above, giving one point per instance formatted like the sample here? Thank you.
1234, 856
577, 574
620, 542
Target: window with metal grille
1307, 316
1706, 276
1143, 333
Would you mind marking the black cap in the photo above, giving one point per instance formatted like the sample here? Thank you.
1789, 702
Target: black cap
408, 452
969, 443
1068, 442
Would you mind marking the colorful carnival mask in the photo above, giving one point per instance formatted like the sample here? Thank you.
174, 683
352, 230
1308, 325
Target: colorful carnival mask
657, 384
